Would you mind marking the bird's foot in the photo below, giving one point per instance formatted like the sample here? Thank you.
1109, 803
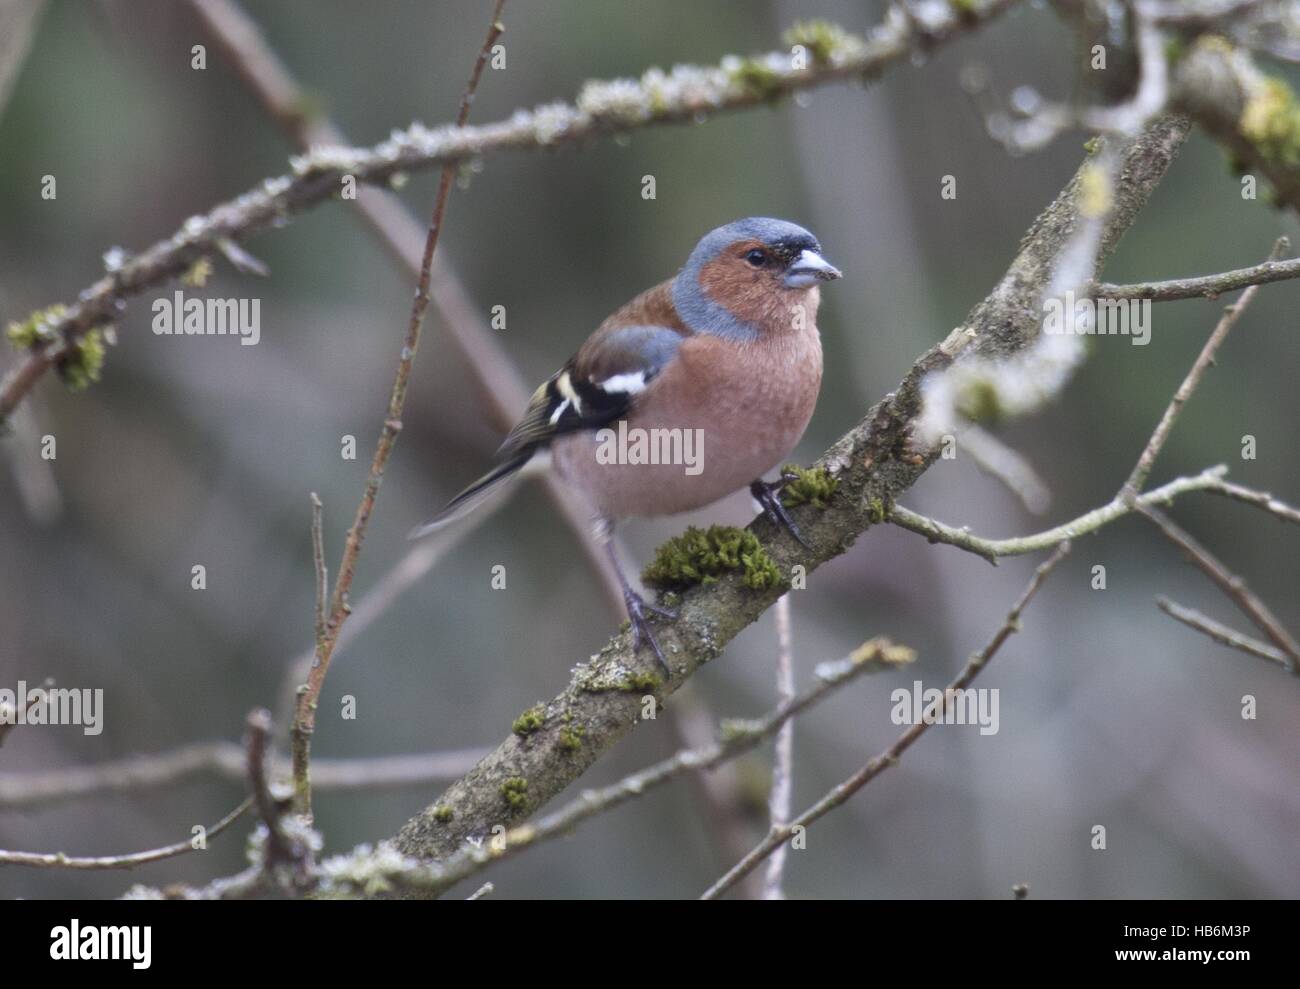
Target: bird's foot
637, 610
768, 496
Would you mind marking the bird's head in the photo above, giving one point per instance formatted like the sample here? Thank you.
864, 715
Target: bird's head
745, 278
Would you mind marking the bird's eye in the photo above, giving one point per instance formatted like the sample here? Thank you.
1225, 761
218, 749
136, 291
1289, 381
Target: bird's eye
756, 258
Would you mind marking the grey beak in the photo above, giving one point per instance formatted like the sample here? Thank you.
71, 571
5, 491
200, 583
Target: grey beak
808, 269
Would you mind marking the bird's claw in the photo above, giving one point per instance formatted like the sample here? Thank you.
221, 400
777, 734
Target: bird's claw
637, 608
768, 496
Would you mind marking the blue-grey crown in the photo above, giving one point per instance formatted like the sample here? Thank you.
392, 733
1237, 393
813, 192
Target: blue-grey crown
701, 313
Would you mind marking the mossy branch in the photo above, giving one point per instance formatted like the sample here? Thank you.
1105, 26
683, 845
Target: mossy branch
1254, 116
602, 108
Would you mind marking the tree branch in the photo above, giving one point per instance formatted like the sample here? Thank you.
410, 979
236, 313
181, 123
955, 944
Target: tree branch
1222, 634
993, 549
226, 761
1204, 286
59, 860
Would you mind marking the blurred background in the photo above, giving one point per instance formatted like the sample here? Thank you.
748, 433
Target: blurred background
198, 450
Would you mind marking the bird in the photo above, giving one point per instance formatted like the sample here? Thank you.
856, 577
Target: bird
717, 368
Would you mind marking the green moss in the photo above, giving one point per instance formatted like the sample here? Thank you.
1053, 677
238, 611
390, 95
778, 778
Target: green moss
515, 792
756, 78
639, 682
1092, 145
965, 9
530, 720
979, 402
84, 360
1271, 121
197, 275
571, 738
877, 510
443, 814
821, 38
35, 328
812, 486
701, 556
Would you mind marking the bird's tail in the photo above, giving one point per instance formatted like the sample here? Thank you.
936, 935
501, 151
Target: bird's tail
475, 494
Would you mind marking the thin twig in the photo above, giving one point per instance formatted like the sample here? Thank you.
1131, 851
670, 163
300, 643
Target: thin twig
305, 717
481, 892
58, 860
1231, 314
778, 836
1204, 286
1222, 634
226, 761
257, 745
778, 803
1260, 499
322, 572
1231, 585
993, 549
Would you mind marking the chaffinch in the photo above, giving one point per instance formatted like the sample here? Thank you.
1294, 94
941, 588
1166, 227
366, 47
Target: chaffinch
694, 389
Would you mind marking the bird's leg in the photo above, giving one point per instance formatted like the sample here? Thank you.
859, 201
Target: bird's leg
768, 496
637, 607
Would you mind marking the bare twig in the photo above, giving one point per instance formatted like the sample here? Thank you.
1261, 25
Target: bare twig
322, 572
1231, 585
1229, 319
1222, 634
257, 745
778, 802
993, 549
482, 891
59, 860
226, 761
1260, 499
1203, 286
778, 836
305, 717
